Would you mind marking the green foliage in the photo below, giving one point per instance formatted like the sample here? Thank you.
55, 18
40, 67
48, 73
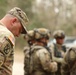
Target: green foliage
3, 3
44, 18
26, 5
68, 29
20, 42
2, 13
35, 24
3, 6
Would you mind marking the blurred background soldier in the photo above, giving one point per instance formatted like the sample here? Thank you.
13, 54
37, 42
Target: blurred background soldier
12, 24
70, 62
41, 59
29, 37
58, 50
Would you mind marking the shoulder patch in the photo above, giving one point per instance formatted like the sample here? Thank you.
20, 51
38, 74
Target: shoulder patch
11, 39
6, 46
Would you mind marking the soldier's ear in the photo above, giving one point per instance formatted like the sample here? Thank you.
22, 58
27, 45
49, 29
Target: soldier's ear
14, 19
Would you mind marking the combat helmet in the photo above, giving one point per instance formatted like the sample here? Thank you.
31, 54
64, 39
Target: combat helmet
29, 36
59, 34
42, 33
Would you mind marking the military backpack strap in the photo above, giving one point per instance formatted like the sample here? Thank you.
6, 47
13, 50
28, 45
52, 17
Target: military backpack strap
64, 48
49, 50
55, 50
32, 49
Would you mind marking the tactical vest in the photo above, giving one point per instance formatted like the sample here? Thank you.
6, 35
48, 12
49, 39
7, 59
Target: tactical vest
58, 54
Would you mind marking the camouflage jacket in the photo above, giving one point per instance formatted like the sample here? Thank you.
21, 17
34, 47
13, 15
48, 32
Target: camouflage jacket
40, 60
26, 60
58, 52
70, 62
7, 41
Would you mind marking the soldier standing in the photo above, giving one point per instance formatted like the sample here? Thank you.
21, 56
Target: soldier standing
11, 26
41, 59
58, 50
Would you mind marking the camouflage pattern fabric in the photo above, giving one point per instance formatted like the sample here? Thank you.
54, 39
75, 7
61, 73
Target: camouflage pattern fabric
59, 33
40, 61
58, 52
7, 42
70, 59
26, 60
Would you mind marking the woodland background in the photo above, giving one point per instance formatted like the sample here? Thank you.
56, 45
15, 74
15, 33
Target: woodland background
51, 14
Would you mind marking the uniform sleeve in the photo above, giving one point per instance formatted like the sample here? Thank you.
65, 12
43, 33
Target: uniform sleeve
45, 60
2, 58
70, 59
70, 56
5, 49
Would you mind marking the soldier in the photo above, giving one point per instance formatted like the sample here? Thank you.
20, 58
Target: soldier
11, 26
58, 50
29, 37
70, 62
40, 56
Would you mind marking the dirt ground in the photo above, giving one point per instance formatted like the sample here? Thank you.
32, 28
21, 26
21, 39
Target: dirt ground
18, 63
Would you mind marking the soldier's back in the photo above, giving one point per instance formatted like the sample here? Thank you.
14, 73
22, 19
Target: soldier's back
40, 61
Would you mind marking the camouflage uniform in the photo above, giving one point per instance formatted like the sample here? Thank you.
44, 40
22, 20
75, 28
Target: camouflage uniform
26, 60
70, 62
28, 37
40, 58
40, 62
58, 50
7, 42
